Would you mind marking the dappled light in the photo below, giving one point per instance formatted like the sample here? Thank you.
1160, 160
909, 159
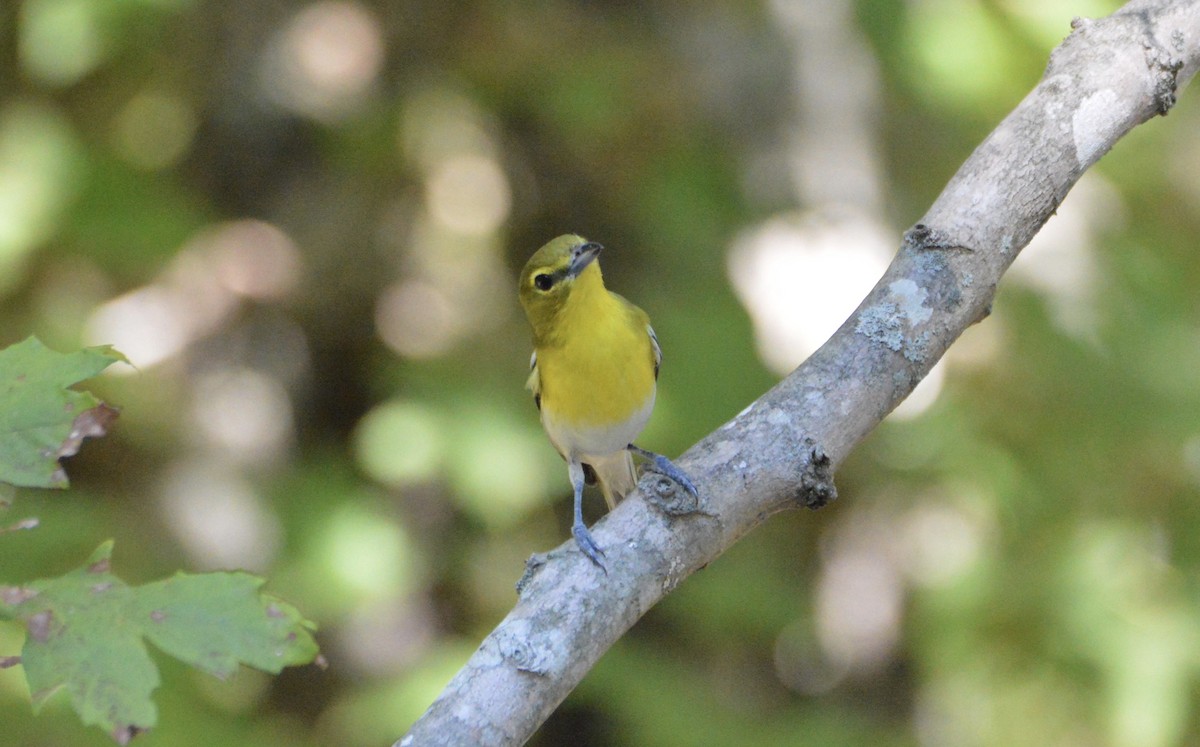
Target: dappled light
500, 468
961, 55
154, 129
401, 442
941, 540
39, 172
253, 258
324, 61
244, 413
1060, 261
302, 224
218, 516
369, 556
198, 292
468, 194
801, 276
452, 254
416, 319
149, 325
62, 40
859, 595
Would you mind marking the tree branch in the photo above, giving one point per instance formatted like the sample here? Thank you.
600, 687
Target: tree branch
1107, 77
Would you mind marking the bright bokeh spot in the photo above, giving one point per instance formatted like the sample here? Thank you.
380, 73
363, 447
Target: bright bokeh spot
469, 194
941, 542
218, 517
1046, 19
501, 469
157, 322
439, 124
198, 291
400, 442
922, 397
859, 596
800, 277
450, 294
369, 554
148, 325
253, 258
416, 319
246, 413
1060, 263
451, 252
39, 171
833, 144
961, 53
326, 60
154, 130
61, 40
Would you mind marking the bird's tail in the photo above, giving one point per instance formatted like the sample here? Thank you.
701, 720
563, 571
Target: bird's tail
615, 474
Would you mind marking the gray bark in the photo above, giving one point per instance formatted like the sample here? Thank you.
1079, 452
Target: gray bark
1108, 76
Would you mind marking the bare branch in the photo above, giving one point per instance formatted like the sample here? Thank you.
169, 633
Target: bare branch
1107, 77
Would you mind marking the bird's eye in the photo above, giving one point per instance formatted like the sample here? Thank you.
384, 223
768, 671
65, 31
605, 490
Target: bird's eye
543, 282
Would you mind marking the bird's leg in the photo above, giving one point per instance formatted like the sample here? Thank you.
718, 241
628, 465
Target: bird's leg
665, 466
583, 537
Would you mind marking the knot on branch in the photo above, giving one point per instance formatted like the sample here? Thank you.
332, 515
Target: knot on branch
672, 499
1165, 68
816, 480
924, 238
517, 648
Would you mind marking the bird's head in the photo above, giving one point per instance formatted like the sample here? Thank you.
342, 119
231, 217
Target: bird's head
564, 266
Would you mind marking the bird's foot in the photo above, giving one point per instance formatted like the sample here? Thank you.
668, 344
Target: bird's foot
587, 544
665, 466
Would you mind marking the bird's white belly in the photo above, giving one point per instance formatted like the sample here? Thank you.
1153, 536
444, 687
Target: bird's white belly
572, 439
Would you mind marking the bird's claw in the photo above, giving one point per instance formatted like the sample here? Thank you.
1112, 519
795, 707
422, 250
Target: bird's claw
587, 544
668, 468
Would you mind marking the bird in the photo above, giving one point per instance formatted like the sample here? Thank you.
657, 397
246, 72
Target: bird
593, 374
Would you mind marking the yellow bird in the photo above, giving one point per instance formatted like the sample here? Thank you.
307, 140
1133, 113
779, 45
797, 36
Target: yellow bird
594, 367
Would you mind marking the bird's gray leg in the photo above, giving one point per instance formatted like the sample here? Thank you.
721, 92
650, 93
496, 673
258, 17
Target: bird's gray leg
583, 537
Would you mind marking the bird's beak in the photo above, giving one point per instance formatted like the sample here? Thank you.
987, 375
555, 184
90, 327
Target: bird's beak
582, 256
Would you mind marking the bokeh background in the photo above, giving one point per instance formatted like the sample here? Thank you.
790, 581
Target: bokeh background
302, 222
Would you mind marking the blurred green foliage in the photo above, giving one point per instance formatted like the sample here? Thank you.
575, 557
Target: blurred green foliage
301, 222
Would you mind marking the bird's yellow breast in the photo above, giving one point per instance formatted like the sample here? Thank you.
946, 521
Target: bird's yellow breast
599, 369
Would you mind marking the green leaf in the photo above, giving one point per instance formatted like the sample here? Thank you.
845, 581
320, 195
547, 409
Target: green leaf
41, 420
86, 631
216, 621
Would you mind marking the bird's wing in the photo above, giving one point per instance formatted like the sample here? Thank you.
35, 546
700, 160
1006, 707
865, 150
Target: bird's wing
534, 382
639, 317
657, 349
